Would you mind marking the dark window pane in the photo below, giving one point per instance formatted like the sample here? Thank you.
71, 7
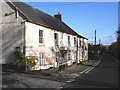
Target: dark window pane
56, 38
40, 36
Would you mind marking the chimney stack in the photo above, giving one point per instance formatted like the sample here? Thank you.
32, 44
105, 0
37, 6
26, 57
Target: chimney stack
58, 16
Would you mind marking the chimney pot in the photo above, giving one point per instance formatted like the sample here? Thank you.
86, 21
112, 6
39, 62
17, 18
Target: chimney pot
58, 16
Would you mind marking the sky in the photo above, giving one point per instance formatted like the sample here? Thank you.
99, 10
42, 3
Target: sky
119, 14
86, 17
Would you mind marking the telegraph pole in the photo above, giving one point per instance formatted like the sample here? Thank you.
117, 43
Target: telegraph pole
95, 37
99, 41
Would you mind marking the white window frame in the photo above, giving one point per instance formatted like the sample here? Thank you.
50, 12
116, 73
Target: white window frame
41, 58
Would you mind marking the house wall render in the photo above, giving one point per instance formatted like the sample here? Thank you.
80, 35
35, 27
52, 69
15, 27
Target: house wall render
52, 47
0, 32
12, 32
48, 47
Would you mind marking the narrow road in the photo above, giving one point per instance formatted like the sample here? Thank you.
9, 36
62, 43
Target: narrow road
104, 75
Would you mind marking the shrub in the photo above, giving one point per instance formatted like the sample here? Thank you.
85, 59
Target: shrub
32, 62
22, 60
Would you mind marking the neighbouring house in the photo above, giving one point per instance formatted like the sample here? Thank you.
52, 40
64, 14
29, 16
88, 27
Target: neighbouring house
39, 35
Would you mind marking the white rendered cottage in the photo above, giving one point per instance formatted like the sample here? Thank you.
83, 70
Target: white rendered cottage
40, 35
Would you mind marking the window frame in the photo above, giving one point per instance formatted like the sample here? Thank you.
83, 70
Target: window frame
80, 42
41, 34
56, 37
69, 55
68, 40
42, 59
75, 41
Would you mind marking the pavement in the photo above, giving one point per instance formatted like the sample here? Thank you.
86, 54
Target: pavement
74, 69
39, 79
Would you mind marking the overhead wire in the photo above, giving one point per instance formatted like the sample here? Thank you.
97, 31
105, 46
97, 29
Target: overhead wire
67, 4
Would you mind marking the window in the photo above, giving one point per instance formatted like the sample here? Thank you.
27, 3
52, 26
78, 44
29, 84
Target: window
80, 42
69, 40
41, 56
74, 41
40, 36
17, 49
56, 38
63, 55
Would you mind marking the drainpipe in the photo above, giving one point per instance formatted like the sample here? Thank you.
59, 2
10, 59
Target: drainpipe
83, 50
24, 41
77, 50
24, 49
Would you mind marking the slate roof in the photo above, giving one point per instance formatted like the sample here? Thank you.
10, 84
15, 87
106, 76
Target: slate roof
39, 17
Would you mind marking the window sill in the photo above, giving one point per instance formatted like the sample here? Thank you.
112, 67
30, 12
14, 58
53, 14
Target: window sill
41, 45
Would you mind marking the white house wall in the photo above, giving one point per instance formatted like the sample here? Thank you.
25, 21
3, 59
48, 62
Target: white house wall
33, 47
86, 50
16, 32
81, 50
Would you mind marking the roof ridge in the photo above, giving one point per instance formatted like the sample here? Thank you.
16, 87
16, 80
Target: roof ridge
24, 13
41, 17
34, 8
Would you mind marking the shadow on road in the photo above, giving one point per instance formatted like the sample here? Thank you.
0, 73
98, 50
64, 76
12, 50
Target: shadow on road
83, 83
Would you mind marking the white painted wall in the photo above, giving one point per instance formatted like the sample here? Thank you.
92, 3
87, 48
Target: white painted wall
13, 36
86, 51
33, 47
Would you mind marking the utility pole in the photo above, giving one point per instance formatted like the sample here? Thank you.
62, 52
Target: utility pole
95, 37
99, 41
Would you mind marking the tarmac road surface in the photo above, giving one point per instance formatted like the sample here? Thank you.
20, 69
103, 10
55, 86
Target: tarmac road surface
104, 75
